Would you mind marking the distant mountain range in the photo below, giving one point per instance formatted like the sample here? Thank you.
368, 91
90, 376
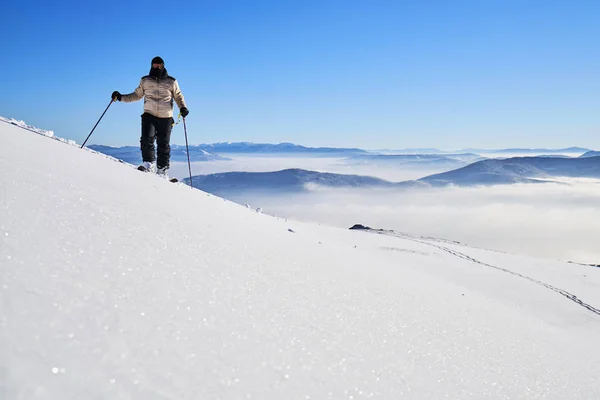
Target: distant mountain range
132, 154
526, 151
538, 151
204, 152
484, 172
447, 161
208, 152
465, 169
267, 148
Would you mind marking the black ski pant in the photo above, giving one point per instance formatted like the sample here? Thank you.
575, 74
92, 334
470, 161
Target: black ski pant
159, 130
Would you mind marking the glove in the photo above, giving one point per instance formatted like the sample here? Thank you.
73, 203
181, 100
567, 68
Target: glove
116, 96
184, 112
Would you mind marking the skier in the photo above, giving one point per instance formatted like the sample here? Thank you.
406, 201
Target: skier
158, 90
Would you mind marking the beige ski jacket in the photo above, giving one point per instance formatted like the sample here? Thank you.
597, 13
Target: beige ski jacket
158, 94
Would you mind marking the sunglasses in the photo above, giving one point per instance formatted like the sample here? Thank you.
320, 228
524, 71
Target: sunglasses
155, 65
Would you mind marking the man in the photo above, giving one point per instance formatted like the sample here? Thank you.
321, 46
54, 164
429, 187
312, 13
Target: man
158, 90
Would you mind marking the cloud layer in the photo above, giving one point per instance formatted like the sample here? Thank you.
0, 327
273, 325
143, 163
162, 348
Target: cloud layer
320, 164
550, 220
557, 220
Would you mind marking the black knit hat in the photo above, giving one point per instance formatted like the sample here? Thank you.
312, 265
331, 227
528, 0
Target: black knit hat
157, 60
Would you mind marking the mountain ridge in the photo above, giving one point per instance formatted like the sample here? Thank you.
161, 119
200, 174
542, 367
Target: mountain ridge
518, 170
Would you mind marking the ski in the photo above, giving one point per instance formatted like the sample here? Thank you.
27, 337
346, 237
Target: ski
144, 169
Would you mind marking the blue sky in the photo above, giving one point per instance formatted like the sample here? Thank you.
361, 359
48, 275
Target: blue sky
370, 74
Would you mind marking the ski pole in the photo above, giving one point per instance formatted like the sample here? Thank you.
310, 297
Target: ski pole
187, 150
86, 139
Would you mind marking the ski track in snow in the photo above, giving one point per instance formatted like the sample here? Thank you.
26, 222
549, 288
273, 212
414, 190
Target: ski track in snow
464, 256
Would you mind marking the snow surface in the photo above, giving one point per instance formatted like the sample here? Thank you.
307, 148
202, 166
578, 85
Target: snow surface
120, 285
31, 128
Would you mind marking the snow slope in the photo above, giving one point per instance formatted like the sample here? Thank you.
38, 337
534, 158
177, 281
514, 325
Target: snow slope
120, 285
